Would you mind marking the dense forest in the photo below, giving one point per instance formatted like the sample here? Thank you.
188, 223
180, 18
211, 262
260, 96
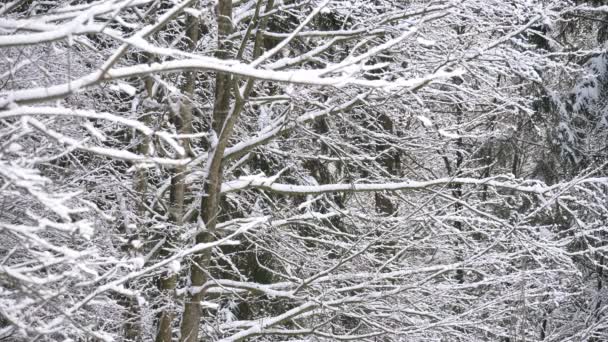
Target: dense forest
304, 170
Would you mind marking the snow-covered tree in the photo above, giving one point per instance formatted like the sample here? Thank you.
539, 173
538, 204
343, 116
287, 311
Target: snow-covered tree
301, 170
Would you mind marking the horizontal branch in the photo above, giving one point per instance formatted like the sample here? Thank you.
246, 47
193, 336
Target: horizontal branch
300, 76
104, 151
82, 23
90, 114
269, 184
55, 33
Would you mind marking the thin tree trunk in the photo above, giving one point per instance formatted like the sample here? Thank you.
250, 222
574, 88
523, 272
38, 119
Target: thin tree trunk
224, 118
183, 123
132, 326
209, 204
390, 161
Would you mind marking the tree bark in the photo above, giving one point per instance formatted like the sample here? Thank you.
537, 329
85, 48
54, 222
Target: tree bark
183, 124
390, 161
209, 204
224, 118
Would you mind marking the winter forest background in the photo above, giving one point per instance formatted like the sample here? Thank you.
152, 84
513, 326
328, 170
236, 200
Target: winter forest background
303, 170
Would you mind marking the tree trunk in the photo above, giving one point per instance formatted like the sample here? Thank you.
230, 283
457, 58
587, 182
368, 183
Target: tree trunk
209, 204
224, 118
183, 123
390, 161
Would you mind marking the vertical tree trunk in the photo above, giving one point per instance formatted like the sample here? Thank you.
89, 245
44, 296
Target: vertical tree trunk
224, 118
183, 124
390, 161
132, 326
210, 203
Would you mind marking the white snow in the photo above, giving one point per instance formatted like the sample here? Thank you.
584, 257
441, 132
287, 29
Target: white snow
174, 266
138, 262
425, 42
14, 147
86, 229
448, 134
425, 121
137, 244
94, 131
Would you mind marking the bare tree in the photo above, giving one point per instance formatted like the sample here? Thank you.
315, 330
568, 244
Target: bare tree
281, 170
